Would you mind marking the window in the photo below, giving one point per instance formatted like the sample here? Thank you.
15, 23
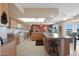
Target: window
78, 28
69, 28
19, 26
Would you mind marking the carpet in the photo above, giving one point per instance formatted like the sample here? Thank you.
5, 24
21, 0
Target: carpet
39, 43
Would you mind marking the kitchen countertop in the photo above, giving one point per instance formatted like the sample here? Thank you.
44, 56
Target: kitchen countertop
63, 43
4, 43
56, 36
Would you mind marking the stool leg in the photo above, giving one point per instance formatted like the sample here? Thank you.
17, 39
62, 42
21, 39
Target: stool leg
51, 51
56, 51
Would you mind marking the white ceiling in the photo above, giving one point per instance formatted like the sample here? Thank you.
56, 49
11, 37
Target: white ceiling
40, 12
65, 9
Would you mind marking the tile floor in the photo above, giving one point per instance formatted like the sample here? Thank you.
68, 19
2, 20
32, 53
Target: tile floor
72, 52
28, 48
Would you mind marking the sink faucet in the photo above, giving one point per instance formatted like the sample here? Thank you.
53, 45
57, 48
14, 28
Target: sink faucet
1, 40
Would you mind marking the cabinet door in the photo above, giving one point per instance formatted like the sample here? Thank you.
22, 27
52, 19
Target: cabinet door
66, 47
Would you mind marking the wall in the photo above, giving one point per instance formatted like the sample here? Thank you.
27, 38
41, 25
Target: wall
41, 27
13, 22
14, 13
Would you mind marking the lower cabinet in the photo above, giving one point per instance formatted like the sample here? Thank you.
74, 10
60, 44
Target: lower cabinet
8, 49
36, 36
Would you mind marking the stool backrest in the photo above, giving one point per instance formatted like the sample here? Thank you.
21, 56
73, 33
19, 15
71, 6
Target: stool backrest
53, 43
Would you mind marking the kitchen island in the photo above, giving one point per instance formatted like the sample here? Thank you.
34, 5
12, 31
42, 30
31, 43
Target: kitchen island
36, 36
62, 41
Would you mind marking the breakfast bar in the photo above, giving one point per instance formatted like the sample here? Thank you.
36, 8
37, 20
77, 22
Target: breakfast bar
62, 42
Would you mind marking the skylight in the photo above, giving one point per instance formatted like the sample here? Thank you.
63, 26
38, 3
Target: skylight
32, 19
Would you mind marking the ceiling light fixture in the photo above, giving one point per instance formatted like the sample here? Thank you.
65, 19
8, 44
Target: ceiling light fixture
32, 19
51, 16
65, 18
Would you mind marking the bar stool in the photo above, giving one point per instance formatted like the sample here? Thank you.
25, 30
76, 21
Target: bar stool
53, 48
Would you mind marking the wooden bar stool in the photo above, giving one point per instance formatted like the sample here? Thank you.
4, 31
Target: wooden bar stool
53, 48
